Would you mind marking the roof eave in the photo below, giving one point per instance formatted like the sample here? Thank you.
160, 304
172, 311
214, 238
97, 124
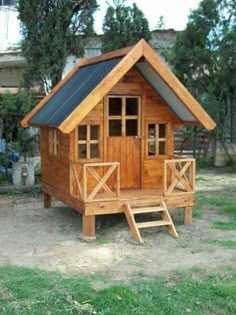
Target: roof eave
179, 89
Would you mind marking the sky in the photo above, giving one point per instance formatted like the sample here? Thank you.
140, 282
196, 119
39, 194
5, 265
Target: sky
175, 14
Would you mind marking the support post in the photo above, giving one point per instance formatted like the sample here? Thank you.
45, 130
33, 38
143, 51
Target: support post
47, 200
88, 226
188, 215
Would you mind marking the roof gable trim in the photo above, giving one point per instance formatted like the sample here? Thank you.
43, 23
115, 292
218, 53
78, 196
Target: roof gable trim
179, 89
102, 88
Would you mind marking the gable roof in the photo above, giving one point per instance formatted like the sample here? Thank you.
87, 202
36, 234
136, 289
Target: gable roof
74, 97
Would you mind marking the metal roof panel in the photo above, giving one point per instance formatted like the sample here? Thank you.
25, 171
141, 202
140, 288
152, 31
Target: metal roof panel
165, 92
72, 93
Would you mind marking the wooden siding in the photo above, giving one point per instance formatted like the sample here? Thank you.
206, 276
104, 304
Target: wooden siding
153, 109
55, 169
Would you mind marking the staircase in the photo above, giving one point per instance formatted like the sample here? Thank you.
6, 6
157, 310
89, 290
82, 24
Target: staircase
141, 208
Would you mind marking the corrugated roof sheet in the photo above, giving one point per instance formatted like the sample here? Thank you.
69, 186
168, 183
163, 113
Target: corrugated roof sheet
72, 93
165, 92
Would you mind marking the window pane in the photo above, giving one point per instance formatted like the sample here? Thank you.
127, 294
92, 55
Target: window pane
151, 131
82, 132
162, 148
115, 106
94, 132
131, 127
115, 127
94, 151
151, 148
131, 106
82, 151
162, 131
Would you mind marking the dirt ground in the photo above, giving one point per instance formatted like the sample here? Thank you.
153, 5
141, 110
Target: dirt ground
50, 238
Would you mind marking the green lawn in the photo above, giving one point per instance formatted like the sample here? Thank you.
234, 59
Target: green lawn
31, 291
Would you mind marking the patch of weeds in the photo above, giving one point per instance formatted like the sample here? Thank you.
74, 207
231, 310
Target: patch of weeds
101, 277
205, 164
102, 240
229, 210
66, 228
201, 178
225, 226
218, 202
33, 192
197, 214
223, 243
5, 179
197, 269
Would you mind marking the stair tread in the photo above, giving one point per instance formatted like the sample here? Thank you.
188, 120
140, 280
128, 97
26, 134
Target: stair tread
141, 225
147, 209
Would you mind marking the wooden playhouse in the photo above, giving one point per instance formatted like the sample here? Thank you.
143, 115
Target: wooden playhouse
107, 139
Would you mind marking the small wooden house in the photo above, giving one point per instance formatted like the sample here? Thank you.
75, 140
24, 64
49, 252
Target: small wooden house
107, 139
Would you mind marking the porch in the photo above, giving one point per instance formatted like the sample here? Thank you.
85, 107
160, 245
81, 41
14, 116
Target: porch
97, 186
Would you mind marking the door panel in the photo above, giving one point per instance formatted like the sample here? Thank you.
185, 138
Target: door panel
127, 151
123, 141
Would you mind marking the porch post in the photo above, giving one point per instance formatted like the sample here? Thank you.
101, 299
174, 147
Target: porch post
47, 200
88, 226
188, 215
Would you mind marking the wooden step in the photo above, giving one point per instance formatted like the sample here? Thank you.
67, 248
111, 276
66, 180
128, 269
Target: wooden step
146, 209
142, 208
142, 225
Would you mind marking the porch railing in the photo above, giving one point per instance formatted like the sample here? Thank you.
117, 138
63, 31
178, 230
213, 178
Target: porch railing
179, 176
92, 181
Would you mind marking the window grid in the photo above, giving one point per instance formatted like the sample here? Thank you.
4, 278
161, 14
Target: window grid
156, 140
53, 141
123, 117
88, 142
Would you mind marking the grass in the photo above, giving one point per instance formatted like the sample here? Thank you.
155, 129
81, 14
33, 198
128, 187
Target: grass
223, 204
225, 226
223, 243
206, 164
30, 291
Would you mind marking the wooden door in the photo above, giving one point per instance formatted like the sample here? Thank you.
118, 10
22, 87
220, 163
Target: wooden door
123, 138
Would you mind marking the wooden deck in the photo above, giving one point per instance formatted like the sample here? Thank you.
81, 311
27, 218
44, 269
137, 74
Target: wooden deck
133, 196
95, 190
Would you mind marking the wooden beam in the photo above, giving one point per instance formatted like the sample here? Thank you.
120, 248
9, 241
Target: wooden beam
102, 88
107, 56
88, 225
177, 87
47, 200
25, 121
188, 215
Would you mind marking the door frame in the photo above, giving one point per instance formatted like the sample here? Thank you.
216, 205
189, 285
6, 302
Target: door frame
140, 126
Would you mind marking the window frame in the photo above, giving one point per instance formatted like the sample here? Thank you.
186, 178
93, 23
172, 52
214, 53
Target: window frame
157, 139
123, 117
53, 141
88, 142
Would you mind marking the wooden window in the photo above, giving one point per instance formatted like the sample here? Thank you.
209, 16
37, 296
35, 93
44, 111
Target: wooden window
123, 116
156, 139
88, 141
53, 141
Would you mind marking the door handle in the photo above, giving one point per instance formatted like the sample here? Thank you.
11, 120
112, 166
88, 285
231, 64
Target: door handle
138, 137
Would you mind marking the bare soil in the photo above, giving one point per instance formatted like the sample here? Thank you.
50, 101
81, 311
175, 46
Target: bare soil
32, 236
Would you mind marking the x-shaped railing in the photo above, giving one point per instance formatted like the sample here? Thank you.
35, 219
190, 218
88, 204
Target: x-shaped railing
100, 183
179, 176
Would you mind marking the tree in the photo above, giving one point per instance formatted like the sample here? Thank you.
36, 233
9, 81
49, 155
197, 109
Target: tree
13, 108
52, 30
123, 26
161, 24
204, 58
